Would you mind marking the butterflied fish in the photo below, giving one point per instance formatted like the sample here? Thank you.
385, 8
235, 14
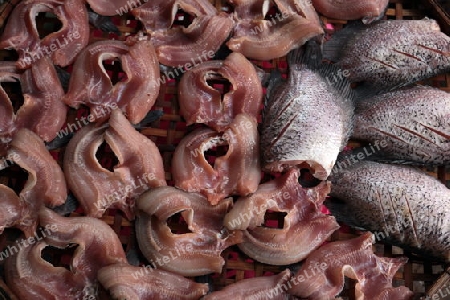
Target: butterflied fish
322, 275
194, 253
304, 228
126, 282
391, 53
403, 205
21, 34
413, 123
258, 35
308, 119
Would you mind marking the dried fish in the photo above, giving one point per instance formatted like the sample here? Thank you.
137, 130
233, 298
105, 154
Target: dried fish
403, 205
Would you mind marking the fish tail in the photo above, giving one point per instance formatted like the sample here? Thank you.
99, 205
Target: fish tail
333, 49
309, 55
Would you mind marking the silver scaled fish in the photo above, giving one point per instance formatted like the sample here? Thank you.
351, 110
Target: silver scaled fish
413, 123
308, 119
390, 53
402, 205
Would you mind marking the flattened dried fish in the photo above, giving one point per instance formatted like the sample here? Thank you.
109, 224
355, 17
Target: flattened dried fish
305, 227
126, 282
390, 53
236, 172
189, 254
90, 84
368, 10
22, 35
184, 45
201, 103
96, 188
31, 277
257, 37
308, 119
261, 288
404, 205
413, 123
322, 275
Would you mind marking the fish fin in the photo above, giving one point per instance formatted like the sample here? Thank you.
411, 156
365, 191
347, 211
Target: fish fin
64, 77
152, 116
59, 141
262, 75
102, 22
132, 257
340, 210
365, 91
405, 162
273, 81
68, 207
222, 53
333, 48
310, 55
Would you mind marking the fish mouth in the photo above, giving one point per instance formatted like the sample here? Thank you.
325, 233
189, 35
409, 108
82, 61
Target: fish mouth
316, 169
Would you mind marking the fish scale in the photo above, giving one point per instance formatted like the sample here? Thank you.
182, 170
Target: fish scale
307, 120
390, 53
411, 208
414, 122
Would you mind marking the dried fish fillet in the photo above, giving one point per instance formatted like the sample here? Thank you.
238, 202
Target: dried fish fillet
236, 172
201, 103
403, 205
126, 282
187, 47
322, 275
184, 46
31, 277
258, 37
90, 84
62, 46
112, 8
43, 111
367, 10
96, 188
46, 183
189, 254
304, 229
413, 123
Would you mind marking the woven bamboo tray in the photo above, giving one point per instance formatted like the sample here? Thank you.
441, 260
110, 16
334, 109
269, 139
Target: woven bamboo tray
440, 10
418, 274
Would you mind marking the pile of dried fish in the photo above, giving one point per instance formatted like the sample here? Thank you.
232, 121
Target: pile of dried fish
359, 84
